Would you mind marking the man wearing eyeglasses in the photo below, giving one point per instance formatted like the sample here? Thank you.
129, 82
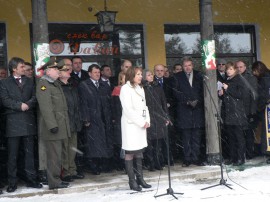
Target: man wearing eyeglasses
221, 75
70, 144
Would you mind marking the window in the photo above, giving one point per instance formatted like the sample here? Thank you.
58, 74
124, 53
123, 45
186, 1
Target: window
3, 46
233, 42
94, 47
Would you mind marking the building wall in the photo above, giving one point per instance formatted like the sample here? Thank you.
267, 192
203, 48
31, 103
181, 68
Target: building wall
152, 13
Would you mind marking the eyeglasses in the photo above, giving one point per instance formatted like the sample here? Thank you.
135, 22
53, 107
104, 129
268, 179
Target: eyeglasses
221, 64
64, 70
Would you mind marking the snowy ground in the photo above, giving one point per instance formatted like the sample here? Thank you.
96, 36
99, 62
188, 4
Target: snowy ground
252, 184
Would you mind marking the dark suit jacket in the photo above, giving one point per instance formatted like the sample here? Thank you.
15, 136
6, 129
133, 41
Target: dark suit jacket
75, 80
19, 123
220, 78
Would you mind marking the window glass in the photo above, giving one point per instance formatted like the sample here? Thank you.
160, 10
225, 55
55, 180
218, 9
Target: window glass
130, 43
232, 43
3, 49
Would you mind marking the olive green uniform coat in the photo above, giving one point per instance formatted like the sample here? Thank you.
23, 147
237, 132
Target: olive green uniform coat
53, 112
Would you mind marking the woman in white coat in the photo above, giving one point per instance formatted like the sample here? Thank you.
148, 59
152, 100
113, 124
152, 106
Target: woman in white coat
135, 119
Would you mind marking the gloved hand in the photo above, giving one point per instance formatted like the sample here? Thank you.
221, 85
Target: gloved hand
54, 130
193, 103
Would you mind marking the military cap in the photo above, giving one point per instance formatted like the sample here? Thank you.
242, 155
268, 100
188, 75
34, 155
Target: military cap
61, 66
50, 64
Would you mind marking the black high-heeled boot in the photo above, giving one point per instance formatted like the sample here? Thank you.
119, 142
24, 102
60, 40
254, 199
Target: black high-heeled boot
131, 176
139, 174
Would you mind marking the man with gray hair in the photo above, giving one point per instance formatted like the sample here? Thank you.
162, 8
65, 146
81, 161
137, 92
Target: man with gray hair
188, 92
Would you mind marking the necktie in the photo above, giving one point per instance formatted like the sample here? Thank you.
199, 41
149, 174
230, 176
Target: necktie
107, 81
18, 81
160, 82
97, 84
189, 80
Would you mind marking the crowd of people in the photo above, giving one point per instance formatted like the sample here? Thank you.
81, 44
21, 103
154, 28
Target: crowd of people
71, 121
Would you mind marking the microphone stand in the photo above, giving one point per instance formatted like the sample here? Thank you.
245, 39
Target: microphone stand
169, 190
219, 120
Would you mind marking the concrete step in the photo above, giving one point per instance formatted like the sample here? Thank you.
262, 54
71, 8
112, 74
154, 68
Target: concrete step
120, 179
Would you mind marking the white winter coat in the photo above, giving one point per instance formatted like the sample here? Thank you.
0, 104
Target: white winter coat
134, 115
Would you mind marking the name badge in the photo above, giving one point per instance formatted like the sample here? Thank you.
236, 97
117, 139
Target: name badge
144, 113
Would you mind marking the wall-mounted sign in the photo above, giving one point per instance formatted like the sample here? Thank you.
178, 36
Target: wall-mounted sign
208, 54
58, 48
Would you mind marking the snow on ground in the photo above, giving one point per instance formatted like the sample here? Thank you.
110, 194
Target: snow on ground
249, 185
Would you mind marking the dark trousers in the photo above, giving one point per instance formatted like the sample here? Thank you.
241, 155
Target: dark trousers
28, 148
249, 137
236, 142
154, 154
191, 144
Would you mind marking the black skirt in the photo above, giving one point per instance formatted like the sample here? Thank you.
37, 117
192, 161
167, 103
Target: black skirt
134, 151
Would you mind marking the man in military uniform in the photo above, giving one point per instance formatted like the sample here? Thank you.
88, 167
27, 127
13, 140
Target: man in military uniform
53, 121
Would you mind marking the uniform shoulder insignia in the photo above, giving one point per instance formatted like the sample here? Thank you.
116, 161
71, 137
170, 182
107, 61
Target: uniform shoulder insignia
43, 88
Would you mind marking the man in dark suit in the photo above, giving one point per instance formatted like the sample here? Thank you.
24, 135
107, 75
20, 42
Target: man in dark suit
188, 87
106, 74
19, 100
165, 84
222, 78
78, 74
95, 113
250, 103
221, 74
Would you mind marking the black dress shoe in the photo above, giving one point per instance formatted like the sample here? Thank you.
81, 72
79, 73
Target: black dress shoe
186, 164
239, 163
67, 178
158, 167
199, 163
62, 185
2, 185
34, 184
268, 161
78, 176
42, 177
11, 188
1, 192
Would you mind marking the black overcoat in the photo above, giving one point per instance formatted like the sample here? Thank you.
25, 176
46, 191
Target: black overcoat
18, 122
263, 92
116, 116
234, 111
187, 116
157, 106
95, 109
250, 93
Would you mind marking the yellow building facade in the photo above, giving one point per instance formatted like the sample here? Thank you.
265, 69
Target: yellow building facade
151, 14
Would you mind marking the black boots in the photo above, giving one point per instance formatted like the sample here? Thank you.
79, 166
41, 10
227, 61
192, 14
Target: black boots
132, 182
139, 174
